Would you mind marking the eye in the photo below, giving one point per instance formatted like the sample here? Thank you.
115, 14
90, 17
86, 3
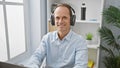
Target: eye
57, 18
64, 17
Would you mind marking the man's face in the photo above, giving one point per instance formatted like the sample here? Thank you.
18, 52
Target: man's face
62, 19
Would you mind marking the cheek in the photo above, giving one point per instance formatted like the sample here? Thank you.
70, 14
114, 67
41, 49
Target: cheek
56, 23
68, 22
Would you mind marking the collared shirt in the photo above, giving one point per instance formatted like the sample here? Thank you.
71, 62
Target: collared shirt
70, 52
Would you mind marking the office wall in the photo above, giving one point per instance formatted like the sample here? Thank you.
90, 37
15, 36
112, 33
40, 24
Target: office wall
38, 21
35, 23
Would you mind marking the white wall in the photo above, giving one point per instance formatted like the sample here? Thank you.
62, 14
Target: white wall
35, 23
38, 21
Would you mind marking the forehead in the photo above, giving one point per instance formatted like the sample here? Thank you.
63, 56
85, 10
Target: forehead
62, 10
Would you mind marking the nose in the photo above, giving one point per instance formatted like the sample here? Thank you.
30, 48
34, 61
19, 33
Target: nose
61, 20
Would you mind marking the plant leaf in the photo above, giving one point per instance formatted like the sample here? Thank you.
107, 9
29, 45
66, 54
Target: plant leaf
112, 62
118, 37
108, 50
112, 15
108, 37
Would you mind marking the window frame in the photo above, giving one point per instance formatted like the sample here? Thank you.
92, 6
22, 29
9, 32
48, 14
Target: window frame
26, 29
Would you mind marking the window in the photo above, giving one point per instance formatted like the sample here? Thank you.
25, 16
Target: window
18, 1
12, 29
3, 47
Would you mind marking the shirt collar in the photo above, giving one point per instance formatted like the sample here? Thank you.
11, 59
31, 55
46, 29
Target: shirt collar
67, 37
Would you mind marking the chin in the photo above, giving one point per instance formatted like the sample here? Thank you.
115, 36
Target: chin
61, 30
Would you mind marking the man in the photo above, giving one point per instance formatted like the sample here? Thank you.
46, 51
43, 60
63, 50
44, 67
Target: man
62, 48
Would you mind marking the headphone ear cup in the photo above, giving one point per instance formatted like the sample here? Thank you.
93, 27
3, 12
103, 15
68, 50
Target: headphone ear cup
73, 18
52, 20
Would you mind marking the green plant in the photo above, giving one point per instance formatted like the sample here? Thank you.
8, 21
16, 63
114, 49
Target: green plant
89, 36
110, 45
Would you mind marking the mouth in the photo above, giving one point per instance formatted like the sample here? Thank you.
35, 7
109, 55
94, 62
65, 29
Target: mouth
61, 26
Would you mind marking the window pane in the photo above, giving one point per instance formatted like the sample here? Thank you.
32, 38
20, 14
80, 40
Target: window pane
20, 1
3, 46
16, 30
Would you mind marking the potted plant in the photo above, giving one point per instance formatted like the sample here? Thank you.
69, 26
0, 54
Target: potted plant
110, 43
89, 37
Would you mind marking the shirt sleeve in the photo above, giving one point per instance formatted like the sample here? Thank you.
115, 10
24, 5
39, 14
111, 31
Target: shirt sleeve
81, 57
38, 56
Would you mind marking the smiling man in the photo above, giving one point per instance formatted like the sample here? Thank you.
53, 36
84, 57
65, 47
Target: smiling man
62, 48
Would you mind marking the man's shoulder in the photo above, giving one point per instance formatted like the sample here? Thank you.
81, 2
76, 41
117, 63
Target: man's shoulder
79, 39
77, 36
50, 34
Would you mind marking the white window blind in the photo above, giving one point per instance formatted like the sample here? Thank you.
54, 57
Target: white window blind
15, 21
12, 29
3, 46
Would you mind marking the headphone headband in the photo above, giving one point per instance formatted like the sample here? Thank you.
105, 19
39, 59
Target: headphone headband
72, 9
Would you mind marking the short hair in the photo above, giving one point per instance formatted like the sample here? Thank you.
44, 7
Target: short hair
64, 5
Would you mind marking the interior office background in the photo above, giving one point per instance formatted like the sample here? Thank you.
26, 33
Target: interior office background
35, 21
36, 27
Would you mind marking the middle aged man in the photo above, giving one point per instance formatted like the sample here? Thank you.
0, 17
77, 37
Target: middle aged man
62, 48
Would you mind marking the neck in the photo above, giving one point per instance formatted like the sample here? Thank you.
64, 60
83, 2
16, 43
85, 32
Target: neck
62, 34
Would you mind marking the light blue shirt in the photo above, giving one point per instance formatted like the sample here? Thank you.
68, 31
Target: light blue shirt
70, 52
